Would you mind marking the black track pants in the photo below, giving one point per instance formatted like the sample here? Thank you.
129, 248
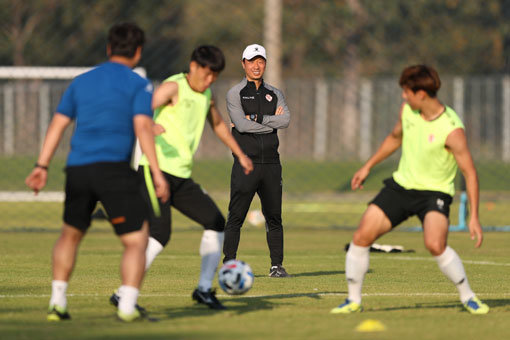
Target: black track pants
266, 181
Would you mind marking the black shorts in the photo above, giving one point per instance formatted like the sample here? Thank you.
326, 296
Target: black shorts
187, 197
115, 185
399, 203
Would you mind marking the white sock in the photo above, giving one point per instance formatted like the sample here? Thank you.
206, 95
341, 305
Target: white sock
58, 293
153, 249
128, 296
210, 250
451, 266
356, 266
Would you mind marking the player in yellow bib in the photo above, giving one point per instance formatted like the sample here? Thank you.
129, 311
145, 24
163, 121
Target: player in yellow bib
433, 145
182, 104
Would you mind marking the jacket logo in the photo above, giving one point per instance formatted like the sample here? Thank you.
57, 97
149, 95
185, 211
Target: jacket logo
268, 97
248, 97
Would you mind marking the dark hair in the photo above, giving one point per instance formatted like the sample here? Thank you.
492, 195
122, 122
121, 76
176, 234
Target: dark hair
209, 56
421, 77
125, 38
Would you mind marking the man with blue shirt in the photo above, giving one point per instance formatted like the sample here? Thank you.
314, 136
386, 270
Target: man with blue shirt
110, 105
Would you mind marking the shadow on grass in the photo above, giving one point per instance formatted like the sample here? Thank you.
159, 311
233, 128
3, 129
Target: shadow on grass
435, 305
318, 273
239, 305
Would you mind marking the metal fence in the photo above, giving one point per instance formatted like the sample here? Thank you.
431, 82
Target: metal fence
322, 127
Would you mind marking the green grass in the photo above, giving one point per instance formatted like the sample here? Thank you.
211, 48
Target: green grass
299, 177
406, 292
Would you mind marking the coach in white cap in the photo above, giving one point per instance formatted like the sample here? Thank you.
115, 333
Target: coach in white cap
257, 111
254, 50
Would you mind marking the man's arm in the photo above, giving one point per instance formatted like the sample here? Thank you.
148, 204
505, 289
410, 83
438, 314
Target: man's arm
390, 144
281, 119
166, 93
221, 130
238, 117
36, 180
143, 130
456, 142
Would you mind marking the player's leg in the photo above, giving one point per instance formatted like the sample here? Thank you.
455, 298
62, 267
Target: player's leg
242, 190
118, 187
387, 210
78, 206
435, 233
159, 226
270, 193
64, 258
374, 224
132, 271
187, 197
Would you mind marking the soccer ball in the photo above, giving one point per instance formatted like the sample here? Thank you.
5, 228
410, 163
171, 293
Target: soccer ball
235, 277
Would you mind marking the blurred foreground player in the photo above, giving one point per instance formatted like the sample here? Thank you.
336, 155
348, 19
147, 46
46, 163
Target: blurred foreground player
110, 104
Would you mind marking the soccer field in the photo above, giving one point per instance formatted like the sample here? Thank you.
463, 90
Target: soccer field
405, 292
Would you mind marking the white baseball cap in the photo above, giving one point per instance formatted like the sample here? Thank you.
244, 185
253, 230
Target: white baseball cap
251, 51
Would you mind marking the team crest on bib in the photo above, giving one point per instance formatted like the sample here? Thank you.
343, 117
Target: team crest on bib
432, 138
268, 97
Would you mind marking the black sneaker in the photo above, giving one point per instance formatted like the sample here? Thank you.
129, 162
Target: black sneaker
114, 300
207, 298
278, 271
56, 313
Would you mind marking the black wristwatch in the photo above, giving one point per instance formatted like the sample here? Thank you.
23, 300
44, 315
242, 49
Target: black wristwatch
37, 165
253, 117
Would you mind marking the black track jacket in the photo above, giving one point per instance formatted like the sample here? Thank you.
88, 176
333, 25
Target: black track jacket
258, 139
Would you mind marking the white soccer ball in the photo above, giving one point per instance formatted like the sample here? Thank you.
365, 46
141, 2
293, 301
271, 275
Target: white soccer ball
235, 277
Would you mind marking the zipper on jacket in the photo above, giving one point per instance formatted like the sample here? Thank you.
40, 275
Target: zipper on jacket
261, 136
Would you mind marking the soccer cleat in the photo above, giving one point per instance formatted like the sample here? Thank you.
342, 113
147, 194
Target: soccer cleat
347, 307
207, 298
475, 306
56, 313
278, 271
135, 316
114, 300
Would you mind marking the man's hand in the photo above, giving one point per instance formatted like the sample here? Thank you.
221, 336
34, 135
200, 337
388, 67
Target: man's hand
161, 186
246, 163
475, 230
36, 180
359, 177
157, 129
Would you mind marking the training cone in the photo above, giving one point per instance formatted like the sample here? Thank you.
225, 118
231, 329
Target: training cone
371, 326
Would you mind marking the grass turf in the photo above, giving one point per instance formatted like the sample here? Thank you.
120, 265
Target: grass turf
406, 292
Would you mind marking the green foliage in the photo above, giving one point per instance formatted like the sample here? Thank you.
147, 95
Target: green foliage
458, 37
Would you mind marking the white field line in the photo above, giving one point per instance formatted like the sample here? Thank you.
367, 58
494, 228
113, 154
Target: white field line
409, 258
15, 296
28, 196
382, 257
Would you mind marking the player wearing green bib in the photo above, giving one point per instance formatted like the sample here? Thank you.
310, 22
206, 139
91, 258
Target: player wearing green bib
182, 104
433, 145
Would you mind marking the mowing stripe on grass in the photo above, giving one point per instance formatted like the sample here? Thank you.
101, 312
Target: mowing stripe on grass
15, 296
379, 257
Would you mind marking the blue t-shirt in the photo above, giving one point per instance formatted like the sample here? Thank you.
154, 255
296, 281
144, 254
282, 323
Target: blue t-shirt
103, 103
